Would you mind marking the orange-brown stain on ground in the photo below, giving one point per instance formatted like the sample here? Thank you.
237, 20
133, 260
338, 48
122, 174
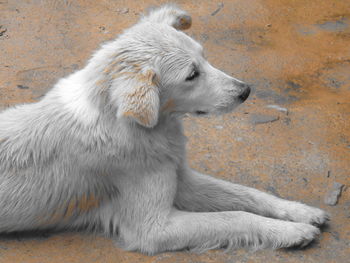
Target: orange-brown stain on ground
295, 53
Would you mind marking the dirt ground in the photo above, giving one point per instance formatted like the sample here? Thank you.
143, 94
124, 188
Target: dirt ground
296, 53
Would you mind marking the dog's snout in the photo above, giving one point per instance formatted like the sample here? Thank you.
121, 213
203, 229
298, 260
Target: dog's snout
245, 92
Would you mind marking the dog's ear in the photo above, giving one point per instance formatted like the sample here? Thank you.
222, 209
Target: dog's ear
172, 15
139, 100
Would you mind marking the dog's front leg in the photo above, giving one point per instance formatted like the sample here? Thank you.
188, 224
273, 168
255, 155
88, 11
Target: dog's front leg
202, 231
233, 229
146, 220
199, 192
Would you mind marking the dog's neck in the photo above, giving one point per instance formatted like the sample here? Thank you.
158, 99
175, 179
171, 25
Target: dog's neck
73, 93
76, 94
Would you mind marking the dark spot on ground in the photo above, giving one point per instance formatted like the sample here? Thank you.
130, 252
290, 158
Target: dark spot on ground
333, 83
287, 121
22, 87
306, 30
293, 85
220, 6
262, 118
335, 234
204, 37
2, 30
334, 26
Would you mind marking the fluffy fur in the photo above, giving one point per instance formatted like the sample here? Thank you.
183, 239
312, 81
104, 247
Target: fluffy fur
105, 149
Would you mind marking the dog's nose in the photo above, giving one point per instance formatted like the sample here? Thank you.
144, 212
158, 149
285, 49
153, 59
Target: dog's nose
245, 92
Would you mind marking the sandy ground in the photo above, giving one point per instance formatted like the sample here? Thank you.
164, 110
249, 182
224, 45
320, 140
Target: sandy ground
295, 53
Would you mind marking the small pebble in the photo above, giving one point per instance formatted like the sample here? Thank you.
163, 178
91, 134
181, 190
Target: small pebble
333, 195
124, 10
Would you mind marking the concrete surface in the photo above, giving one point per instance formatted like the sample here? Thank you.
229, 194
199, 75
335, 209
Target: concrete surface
295, 52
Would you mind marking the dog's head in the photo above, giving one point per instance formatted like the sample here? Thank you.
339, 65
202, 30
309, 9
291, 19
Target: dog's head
158, 69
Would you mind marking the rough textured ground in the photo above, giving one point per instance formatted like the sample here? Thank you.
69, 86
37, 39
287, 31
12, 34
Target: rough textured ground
297, 55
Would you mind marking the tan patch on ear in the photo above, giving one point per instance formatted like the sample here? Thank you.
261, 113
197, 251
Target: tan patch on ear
142, 103
114, 70
144, 118
168, 106
183, 22
149, 78
136, 99
138, 94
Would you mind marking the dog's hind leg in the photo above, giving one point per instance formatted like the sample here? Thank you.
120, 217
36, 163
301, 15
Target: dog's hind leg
198, 192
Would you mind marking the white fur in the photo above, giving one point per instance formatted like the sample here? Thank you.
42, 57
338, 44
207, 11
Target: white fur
72, 93
105, 149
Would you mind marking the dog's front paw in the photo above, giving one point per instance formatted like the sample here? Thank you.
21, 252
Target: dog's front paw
298, 212
296, 235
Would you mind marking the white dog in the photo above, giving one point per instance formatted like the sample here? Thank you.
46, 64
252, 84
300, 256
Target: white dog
105, 149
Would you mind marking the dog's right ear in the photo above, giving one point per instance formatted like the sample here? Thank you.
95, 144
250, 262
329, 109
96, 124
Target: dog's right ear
139, 99
171, 15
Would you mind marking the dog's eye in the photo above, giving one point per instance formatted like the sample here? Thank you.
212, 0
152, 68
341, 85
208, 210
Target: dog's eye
194, 74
